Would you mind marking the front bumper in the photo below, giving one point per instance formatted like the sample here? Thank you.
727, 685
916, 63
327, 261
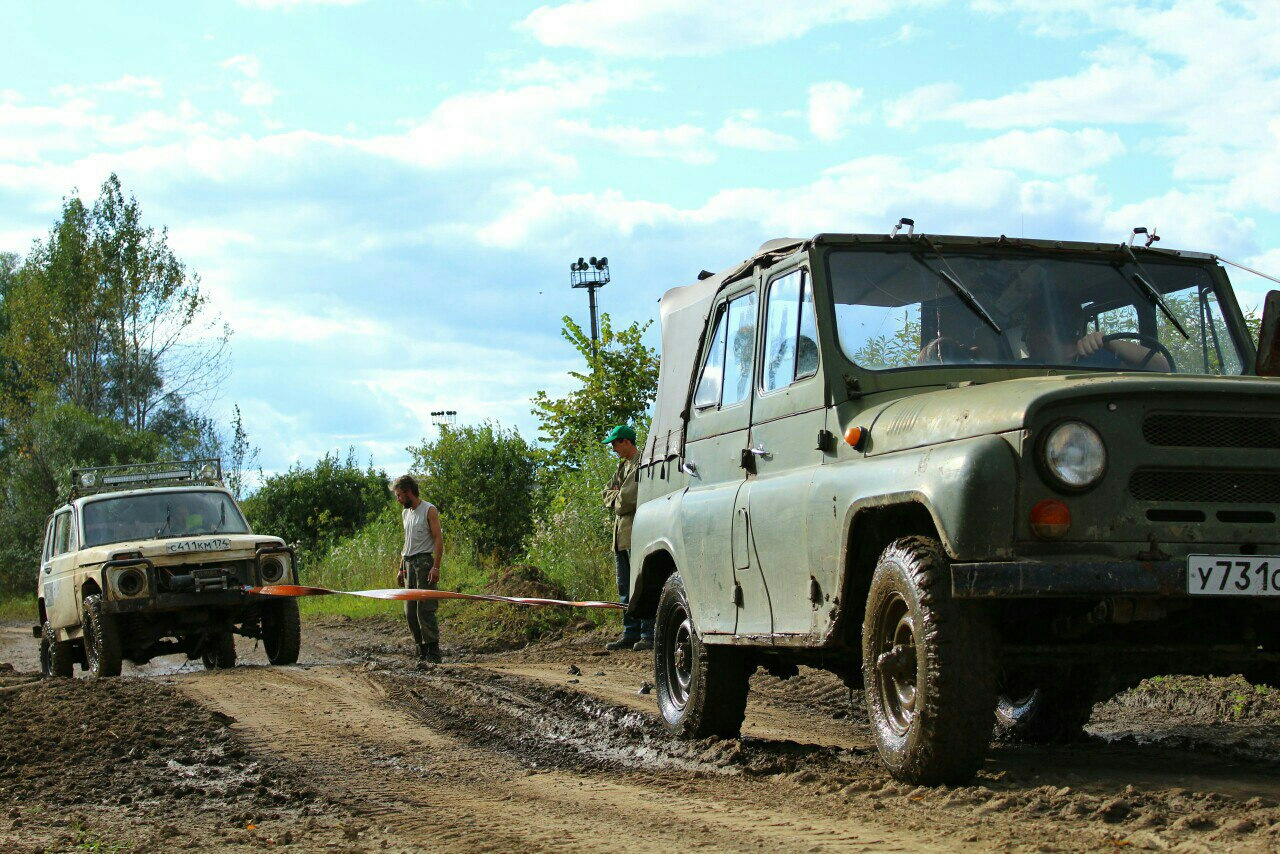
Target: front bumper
179, 602
1041, 579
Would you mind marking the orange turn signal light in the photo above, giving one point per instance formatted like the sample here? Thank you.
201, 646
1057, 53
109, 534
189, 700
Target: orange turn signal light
856, 437
1050, 519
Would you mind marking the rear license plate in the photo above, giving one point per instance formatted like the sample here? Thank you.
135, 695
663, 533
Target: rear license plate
1219, 575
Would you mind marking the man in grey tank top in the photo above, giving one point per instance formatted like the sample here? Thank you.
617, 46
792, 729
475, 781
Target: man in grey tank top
420, 565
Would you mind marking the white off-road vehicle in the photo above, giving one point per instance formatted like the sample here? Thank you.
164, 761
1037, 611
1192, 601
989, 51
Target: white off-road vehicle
157, 559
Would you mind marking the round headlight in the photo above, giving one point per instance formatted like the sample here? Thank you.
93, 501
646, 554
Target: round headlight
1074, 455
88, 479
272, 570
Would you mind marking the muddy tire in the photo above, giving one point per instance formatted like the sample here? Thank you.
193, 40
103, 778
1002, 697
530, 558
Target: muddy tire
102, 649
281, 631
219, 651
56, 657
929, 667
1052, 713
702, 690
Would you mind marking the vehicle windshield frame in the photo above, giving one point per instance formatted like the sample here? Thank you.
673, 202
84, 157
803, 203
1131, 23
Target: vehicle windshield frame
1237, 350
165, 502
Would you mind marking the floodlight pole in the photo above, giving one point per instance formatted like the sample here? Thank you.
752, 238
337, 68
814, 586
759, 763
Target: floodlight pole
591, 275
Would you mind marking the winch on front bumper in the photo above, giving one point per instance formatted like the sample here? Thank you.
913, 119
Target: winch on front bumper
181, 586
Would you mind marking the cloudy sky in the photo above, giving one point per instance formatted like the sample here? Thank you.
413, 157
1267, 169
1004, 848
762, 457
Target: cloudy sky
382, 198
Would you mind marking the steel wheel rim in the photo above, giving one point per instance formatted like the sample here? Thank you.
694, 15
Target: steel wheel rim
678, 652
895, 663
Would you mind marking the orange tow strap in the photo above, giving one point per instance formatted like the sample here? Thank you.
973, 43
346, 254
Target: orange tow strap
404, 594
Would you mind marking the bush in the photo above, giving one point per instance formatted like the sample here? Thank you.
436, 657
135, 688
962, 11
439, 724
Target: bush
316, 507
484, 482
573, 540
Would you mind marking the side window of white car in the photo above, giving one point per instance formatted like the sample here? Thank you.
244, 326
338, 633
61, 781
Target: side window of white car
62, 534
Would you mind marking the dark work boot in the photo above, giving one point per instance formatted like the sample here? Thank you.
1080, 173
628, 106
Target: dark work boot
643, 644
431, 653
624, 642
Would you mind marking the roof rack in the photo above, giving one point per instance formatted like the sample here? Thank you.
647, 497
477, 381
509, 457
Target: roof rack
96, 479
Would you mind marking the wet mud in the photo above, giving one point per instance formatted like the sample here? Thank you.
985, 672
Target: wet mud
558, 746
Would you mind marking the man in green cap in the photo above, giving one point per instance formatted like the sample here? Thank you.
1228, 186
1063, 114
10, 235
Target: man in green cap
620, 497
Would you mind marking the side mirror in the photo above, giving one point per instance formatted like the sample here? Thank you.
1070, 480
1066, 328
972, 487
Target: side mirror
1268, 361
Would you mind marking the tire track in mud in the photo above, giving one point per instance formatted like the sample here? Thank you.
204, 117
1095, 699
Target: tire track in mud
452, 756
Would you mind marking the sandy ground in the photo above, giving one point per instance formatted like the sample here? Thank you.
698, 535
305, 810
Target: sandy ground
554, 747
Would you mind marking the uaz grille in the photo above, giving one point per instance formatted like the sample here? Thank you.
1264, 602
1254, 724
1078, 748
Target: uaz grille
1183, 430
1217, 487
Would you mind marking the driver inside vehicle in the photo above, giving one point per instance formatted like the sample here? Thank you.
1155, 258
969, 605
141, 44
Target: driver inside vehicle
1053, 337
186, 519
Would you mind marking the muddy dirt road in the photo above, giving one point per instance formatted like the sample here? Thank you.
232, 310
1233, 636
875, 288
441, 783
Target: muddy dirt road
551, 747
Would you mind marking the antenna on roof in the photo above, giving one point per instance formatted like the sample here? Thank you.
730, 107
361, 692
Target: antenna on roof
1152, 237
909, 223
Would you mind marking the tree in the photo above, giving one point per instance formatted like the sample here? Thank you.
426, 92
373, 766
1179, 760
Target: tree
484, 480
104, 312
241, 456
317, 506
617, 387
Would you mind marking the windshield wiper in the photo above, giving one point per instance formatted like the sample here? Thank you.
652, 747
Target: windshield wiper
164, 529
949, 276
222, 520
1151, 292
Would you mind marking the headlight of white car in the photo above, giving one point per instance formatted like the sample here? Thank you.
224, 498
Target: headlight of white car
1074, 455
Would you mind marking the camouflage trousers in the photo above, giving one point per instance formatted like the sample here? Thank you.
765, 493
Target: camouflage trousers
421, 615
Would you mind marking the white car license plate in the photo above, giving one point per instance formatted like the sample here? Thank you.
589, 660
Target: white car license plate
1234, 575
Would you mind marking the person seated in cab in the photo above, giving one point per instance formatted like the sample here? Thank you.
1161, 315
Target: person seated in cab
1052, 337
185, 518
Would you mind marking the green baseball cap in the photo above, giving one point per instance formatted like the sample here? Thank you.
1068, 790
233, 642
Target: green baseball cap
622, 431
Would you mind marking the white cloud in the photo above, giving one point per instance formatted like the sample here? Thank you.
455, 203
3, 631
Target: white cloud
685, 143
920, 104
831, 109
1045, 152
657, 28
252, 90
142, 87
743, 130
1199, 221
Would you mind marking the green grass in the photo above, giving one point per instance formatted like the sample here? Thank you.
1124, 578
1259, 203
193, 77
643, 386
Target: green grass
369, 560
16, 606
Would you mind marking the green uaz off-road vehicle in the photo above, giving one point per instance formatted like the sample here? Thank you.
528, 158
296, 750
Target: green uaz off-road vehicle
983, 478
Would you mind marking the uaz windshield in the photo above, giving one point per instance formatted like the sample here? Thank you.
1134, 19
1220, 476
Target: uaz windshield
157, 515
919, 308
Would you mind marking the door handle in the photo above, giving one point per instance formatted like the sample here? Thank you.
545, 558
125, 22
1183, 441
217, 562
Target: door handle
690, 468
759, 451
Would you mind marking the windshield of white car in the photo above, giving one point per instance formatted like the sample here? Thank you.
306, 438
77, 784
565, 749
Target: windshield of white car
892, 311
161, 515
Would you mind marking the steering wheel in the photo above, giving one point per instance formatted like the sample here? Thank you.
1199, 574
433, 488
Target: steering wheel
1153, 346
